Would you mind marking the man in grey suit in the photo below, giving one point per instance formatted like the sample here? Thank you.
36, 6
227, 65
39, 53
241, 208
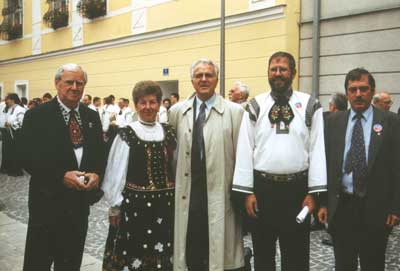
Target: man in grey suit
363, 202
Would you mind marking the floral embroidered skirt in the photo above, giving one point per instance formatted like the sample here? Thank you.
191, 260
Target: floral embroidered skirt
144, 238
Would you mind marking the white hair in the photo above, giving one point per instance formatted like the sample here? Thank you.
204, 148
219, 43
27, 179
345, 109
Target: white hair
69, 67
379, 95
243, 88
204, 61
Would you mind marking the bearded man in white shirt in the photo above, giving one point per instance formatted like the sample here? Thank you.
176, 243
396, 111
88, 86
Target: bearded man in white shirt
280, 165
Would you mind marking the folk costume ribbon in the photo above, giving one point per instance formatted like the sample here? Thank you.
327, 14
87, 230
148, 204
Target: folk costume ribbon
281, 110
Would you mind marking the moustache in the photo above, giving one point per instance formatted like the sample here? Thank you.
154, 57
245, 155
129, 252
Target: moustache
144, 110
359, 99
278, 78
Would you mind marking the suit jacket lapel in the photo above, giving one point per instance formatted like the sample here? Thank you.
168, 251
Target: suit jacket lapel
341, 134
188, 112
59, 123
64, 137
376, 137
85, 130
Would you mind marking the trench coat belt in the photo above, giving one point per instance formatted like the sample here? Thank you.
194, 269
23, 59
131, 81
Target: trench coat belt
283, 178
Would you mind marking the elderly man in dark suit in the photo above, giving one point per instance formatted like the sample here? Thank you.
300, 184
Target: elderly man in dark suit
62, 149
363, 177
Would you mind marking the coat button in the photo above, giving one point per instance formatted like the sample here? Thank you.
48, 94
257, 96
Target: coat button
337, 195
183, 197
190, 130
186, 174
187, 153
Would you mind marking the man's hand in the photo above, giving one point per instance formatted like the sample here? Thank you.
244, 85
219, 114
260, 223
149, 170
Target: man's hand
323, 215
93, 182
72, 180
310, 203
392, 220
251, 205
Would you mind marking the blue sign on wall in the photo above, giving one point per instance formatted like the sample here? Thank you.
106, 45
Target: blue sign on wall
165, 71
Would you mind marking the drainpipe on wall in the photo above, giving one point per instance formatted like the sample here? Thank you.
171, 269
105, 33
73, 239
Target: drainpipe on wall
222, 51
315, 48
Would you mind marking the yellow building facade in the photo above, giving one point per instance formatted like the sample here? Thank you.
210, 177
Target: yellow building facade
146, 40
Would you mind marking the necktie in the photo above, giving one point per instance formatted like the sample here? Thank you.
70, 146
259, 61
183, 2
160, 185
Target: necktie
199, 130
120, 112
356, 161
75, 130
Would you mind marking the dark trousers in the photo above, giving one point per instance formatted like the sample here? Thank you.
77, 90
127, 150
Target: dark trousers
278, 204
197, 247
15, 167
353, 239
197, 243
60, 243
4, 157
10, 163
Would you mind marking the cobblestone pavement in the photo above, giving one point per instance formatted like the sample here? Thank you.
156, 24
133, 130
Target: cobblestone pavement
13, 201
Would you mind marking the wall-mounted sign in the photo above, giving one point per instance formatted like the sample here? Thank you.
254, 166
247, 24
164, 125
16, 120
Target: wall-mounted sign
165, 71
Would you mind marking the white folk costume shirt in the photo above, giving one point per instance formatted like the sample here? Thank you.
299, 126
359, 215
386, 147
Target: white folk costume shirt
124, 117
99, 110
65, 113
118, 158
3, 114
163, 115
91, 106
15, 116
261, 148
110, 112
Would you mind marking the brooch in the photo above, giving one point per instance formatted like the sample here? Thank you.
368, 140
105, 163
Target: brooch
377, 128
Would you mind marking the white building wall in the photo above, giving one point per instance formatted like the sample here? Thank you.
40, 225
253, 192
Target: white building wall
353, 34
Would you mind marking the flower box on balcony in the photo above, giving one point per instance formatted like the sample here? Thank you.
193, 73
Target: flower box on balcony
56, 18
92, 9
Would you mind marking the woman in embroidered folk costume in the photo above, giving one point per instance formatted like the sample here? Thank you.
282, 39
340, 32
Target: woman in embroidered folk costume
139, 186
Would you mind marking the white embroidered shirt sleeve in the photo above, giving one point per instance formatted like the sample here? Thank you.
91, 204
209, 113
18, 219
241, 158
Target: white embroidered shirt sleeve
317, 176
243, 175
115, 175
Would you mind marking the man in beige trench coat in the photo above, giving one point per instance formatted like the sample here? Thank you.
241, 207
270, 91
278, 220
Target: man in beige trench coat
208, 234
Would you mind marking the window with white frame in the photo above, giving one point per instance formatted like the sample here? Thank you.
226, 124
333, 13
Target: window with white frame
21, 87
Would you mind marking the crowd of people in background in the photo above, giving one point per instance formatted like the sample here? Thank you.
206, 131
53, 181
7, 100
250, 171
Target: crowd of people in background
181, 178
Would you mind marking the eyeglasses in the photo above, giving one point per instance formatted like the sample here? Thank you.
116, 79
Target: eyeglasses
280, 69
202, 75
360, 88
77, 83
